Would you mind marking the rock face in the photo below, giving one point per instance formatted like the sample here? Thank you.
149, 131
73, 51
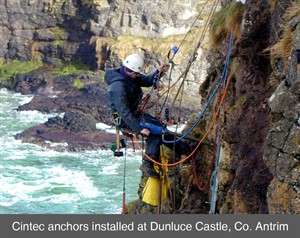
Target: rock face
246, 117
49, 30
282, 145
45, 30
154, 19
260, 172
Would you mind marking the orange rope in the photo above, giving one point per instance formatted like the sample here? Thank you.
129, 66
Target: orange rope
202, 139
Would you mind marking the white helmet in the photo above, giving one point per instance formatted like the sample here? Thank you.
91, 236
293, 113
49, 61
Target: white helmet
134, 62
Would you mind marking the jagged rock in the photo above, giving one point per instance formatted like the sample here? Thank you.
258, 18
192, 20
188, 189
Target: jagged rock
57, 95
282, 145
74, 121
281, 100
29, 83
74, 132
283, 198
46, 30
51, 30
144, 17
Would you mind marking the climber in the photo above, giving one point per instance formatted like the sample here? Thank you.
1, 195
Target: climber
124, 95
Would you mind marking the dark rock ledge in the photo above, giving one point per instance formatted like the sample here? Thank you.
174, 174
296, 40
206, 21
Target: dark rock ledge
74, 132
82, 108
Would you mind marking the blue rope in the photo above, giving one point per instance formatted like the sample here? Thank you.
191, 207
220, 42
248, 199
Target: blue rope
213, 187
228, 56
218, 153
223, 78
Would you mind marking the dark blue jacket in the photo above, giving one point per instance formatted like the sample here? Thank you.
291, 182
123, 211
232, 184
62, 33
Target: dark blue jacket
124, 95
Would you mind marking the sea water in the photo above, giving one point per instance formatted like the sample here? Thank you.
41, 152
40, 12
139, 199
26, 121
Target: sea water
35, 180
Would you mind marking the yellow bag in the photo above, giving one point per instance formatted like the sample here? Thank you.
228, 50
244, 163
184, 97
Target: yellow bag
151, 192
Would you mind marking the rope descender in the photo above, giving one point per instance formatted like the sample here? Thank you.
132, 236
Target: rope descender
119, 143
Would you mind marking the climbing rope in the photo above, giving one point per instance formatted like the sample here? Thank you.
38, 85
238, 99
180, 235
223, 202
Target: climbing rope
200, 141
175, 49
184, 74
145, 100
225, 72
225, 88
195, 53
214, 178
222, 80
117, 121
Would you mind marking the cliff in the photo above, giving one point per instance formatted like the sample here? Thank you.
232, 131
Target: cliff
259, 170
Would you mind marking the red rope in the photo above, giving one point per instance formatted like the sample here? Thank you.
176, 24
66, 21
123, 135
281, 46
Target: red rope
211, 165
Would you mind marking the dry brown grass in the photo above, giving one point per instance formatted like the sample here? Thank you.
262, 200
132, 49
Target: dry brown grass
228, 19
283, 48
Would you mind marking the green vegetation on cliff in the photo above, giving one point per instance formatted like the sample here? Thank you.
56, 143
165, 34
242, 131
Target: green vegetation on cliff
228, 19
72, 68
11, 68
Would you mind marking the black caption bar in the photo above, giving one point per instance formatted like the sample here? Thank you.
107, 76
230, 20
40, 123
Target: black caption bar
90, 226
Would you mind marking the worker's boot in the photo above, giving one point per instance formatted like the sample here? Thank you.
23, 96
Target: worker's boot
148, 169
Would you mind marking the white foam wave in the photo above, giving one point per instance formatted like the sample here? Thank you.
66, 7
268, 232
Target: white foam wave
77, 179
55, 144
112, 169
106, 128
24, 98
15, 157
35, 116
43, 180
21, 98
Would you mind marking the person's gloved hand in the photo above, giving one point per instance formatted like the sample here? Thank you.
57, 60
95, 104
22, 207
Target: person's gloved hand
164, 67
145, 132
